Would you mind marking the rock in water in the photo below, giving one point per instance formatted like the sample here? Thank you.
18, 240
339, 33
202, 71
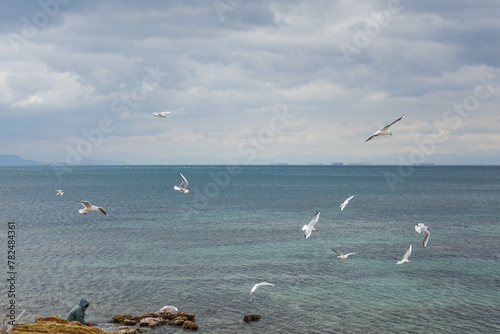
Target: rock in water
252, 317
188, 324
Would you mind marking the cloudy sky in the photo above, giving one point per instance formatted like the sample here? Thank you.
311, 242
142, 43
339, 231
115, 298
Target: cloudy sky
254, 81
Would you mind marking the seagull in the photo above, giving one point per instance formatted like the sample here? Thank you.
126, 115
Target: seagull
183, 186
310, 227
385, 130
406, 256
87, 207
346, 202
161, 114
341, 255
256, 286
421, 228
60, 193
169, 308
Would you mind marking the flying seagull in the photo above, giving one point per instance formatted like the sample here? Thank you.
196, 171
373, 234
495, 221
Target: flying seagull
87, 207
342, 255
60, 192
256, 286
346, 202
406, 256
161, 114
310, 227
183, 185
385, 130
421, 228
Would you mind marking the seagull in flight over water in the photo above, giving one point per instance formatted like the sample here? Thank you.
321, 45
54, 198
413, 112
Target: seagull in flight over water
182, 187
87, 207
342, 255
310, 227
421, 228
60, 192
162, 114
346, 202
385, 130
256, 286
406, 256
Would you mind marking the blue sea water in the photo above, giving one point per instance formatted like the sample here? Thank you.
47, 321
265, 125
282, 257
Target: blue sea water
203, 251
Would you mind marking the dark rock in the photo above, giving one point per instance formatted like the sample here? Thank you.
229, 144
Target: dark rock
190, 325
252, 317
120, 318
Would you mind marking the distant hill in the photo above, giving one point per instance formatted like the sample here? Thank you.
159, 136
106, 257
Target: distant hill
14, 160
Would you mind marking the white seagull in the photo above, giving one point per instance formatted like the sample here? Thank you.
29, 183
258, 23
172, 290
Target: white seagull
60, 192
385, 130
310, 227
182, 187
342, 255
346, 202
256, 286
162, 114
421, 228
87, 207
406, 256
169, 308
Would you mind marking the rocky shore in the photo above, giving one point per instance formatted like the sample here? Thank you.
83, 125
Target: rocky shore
130, 324
155, 319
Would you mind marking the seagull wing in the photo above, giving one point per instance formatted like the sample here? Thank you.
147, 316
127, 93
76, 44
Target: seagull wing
314, 220
102, 210
184, 181
340, 253
256, 286
427, 234
343, 205
389, 125
372, 136
165, 112
86, 204
349, 254
407, 254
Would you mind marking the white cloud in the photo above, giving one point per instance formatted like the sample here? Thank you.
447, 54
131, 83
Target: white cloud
226, 76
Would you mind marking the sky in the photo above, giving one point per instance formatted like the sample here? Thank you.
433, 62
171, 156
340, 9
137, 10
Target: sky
252, 82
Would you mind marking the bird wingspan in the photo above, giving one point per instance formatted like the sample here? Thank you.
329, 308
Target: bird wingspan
372, 136
337, 251
389, 125
314, 220
184, 181
407, 254
85, 204
427, 234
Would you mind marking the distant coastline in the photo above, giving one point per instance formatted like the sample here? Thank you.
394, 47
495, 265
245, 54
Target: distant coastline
15, 160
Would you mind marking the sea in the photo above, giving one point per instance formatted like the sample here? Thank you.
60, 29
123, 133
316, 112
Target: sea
202, 252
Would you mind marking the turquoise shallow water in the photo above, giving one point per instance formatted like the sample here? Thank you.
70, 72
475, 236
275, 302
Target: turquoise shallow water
202, 252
